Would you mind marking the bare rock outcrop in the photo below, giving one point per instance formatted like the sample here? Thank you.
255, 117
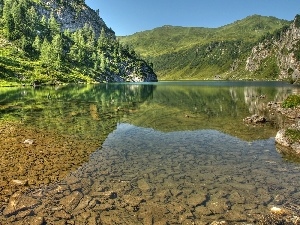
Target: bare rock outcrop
283, 47
286, 144
73, 16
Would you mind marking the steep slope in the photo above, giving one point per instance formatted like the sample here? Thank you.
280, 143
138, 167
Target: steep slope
201, 53
53, 41
280, 52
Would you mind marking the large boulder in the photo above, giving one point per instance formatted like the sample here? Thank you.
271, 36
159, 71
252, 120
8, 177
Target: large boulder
285, 144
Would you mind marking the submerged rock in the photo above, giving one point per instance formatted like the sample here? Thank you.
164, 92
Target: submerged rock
255, 119
279, 216
71, 201
28, 141
18, 203
19, 182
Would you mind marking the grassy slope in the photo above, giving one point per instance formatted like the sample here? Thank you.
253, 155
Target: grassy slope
173, 45
16, 68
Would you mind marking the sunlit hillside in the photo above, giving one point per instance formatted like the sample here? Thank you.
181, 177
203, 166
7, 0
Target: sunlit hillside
201, 53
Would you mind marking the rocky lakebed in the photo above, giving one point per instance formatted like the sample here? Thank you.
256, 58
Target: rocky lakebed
51, 179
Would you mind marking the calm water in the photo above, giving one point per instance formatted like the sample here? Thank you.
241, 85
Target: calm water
175, 152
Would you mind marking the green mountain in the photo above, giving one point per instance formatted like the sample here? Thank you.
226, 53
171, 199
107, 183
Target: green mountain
53, 41
205, 53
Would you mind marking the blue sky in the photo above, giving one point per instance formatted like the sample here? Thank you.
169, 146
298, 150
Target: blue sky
126, 17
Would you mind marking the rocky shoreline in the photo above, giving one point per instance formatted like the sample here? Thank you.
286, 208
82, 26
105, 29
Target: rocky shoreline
286, 120
285, 143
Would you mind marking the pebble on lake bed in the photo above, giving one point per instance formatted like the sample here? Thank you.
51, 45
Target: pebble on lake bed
19, 182
277, 210
28, 141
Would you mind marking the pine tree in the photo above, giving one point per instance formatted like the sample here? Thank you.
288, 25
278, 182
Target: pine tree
37, 44
102, 40
43, 28
76, 50
33, 19
9, 27
56, 51
54, 27
45, 56
103, 64
19, 15
1, 7
25, 43
8, 20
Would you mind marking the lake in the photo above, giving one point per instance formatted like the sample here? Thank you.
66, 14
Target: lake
162, 153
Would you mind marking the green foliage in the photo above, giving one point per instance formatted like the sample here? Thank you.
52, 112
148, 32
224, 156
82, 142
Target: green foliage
297, 21
268, 69
45, 53
291, 101
292, 134
297, 50
1, 7
58, 56
54, 27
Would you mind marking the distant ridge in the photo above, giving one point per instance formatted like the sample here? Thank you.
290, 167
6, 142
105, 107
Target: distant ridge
202, 53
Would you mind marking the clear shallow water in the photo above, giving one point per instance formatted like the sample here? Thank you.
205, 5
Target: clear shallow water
179, 154
207, 174
143, 176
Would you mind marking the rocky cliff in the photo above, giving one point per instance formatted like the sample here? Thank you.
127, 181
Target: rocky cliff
285, 47
73, 15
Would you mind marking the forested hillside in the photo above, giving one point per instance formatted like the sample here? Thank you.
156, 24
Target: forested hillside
45, 41
205, 53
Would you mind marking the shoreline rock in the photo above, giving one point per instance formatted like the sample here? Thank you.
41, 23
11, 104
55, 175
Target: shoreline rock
290, 120
285, 144
255, 119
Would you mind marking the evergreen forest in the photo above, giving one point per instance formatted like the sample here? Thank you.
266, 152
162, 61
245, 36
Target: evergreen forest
35, 50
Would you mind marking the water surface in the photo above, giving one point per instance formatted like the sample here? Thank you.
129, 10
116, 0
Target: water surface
174, 153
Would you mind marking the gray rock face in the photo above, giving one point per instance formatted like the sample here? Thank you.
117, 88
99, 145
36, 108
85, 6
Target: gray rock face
133, 72
283, 49
282, 139
73, 16
286, 146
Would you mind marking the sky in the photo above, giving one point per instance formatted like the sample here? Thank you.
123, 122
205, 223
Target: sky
127, 17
